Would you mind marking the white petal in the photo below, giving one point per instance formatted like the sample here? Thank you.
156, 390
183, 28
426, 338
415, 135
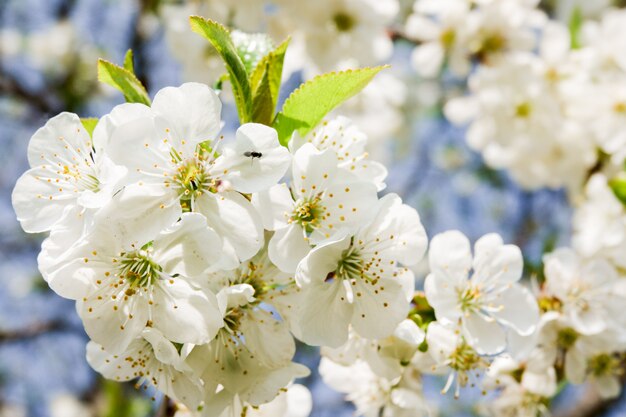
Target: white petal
248, 173
608, 386
427, 59
274, 205
519, 309
450, 257
348, 206
184, 314
443, 297
119, 116
540, 383
313, 170
322, 260
461, 110
235, 296
139, 212
267, 338
64, 135
288, 247
189, 247
378, 308
486, 336
325, 314
191, 112
113, 323
233, 217
441, 341
397, 229
494, 261
575, 366
39, 204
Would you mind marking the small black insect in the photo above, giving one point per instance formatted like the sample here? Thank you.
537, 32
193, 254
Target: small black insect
253, 154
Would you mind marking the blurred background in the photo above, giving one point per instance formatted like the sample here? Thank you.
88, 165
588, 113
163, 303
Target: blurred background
48, 55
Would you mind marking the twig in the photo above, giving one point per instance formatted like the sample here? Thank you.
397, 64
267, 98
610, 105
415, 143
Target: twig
30, 332
11, 87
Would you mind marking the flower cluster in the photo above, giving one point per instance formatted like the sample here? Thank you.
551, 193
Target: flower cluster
193, 266
197, 260
543, 102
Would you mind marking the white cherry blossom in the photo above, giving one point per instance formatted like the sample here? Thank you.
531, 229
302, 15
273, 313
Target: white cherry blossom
356, 279
319, 204
482, 302
591, 294
123, 286
452, 353
152, 359
349, 143
173, 152
70, 177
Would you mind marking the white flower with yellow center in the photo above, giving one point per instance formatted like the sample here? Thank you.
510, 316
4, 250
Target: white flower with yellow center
70, 177
591, 294
123, 286
152, 359
249, 360
356, 279
178, 164
452, 352
486, 301
319, 204
439, 26
344, 137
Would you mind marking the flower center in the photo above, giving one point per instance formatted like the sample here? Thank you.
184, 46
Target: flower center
85, 181
350, 265
447, 38
566, 338
464, 358
491, 43
191, 179
620, 107
603, 364
138, 269
307, 213
523, 110
469, 299
343, 21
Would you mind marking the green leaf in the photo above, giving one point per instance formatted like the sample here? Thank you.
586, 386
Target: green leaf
123, 80
251, 47
89, 123
575, 25
313, 100
262, 102
618, 186
219, 37
128, 61
271, 66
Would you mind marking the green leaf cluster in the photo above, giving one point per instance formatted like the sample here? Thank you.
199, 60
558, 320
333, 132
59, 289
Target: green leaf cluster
255, 69
124, 79
256, 82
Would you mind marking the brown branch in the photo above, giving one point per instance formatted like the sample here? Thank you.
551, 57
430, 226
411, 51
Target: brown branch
31, 331
13, 88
